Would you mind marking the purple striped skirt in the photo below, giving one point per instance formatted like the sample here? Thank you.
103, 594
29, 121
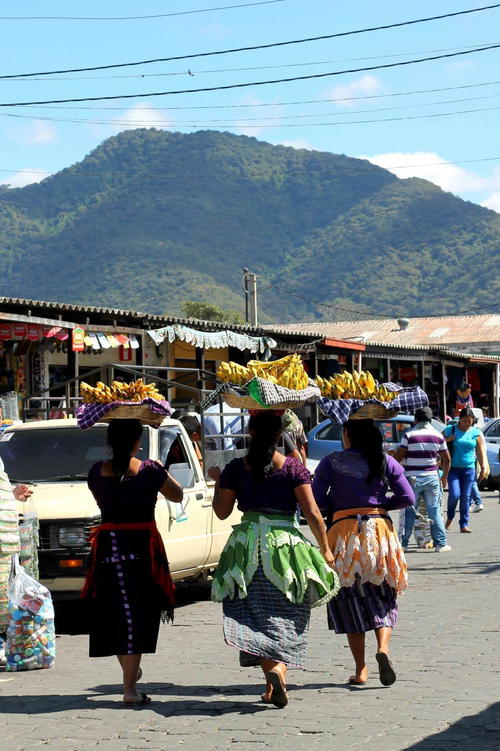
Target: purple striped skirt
363, 607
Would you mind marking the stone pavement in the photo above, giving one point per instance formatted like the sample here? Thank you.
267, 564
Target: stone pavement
446, 650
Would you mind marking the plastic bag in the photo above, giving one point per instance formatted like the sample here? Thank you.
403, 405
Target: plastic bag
31, 637
28, 534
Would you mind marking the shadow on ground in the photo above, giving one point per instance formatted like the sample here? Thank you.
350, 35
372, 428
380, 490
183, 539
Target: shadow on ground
477, 732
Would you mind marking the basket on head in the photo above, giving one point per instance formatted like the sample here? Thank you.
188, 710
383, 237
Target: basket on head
139, 412
373, 412
244, 401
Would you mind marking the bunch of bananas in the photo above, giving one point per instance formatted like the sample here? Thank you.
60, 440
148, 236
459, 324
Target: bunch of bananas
119, 392
288, 372
354, 386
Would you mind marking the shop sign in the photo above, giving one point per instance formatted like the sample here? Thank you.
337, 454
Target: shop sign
125, 354
33, 332
78, 340
5, 331
19, 330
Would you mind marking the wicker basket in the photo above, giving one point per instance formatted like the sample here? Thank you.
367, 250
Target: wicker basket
373, 412
133, 411
246, 402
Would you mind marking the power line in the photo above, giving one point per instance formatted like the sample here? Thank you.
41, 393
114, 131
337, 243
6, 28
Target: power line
262, 121
212, 176
354, 311
288, 103
252, 83
257, 46
136, 18
194, 72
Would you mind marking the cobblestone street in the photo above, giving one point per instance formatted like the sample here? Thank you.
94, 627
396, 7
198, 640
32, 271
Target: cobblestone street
445, 649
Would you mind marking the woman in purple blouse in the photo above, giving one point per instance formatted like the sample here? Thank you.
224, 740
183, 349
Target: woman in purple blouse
269, 575
351, 487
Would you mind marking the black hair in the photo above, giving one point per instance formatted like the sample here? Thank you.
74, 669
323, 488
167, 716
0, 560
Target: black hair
191, 424
467, 412
367, 439
265, 430
122, 437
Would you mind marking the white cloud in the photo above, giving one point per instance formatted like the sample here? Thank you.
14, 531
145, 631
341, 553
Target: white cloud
33, 133
364, 86
141, 115
492, 202
25, 177
431, 166
299, 144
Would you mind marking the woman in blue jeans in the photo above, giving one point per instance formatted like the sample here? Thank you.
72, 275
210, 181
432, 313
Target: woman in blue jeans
467, 446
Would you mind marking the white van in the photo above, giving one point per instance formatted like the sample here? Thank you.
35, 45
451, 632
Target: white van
54, 456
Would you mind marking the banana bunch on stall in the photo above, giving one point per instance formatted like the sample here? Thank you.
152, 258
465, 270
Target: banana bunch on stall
136, 391
288, 372
354, 386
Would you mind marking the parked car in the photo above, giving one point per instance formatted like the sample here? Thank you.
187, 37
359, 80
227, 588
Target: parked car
491, 430
54, 456
493, 454
327, 436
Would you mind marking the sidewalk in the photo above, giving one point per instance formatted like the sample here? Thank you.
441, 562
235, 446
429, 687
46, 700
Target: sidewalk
445, 649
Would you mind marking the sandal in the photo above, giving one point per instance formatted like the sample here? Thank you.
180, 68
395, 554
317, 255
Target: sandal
141, 703
279, 696
353, 681
386, 671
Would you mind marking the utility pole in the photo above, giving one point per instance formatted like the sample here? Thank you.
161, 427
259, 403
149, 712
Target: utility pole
249, 284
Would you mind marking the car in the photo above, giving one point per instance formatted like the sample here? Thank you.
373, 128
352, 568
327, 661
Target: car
491, 430
327, 436
493, 454
54, 457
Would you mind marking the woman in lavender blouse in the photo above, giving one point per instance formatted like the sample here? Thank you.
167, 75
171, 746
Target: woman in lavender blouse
351, 487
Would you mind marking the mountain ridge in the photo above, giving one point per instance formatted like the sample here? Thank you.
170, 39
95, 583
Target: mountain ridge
152, 218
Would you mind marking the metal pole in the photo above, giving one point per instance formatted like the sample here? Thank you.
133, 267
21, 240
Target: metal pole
253, 299
443, 377
245, 290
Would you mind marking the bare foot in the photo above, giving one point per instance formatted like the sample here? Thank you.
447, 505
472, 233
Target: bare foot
359, 677
136, 698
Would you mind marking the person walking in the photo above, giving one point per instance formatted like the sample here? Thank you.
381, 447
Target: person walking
269, 575
420, 449
467, 446
128, 584
351, 485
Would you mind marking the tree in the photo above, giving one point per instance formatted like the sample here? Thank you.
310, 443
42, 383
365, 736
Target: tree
205, 311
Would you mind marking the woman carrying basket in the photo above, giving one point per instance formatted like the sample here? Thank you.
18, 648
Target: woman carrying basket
128, 583
351, 486
269, 575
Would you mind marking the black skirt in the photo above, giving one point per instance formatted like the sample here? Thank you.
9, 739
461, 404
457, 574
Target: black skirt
125, 609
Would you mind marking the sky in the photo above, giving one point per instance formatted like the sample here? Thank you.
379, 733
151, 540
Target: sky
372, 114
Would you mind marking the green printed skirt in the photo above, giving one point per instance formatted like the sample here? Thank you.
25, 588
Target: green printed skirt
269, 577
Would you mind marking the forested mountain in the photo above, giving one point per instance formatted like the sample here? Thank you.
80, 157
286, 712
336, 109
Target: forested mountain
152, 218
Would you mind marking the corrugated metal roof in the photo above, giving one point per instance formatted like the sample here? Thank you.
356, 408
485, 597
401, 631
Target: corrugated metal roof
146, 320
445, 330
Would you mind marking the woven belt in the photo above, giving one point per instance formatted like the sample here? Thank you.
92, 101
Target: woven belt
361, 518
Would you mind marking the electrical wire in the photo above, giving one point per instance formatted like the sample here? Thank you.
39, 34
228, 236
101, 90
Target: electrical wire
253, 83
365, 313
136, 18
257, 46
262, 121
252, 173
285, 104
194, 72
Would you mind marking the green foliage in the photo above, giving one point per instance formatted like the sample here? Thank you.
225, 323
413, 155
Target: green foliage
150, 219
206, 311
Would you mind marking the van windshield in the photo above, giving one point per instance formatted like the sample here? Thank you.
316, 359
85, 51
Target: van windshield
56, 454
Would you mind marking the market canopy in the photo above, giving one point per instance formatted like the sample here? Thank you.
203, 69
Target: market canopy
212, 339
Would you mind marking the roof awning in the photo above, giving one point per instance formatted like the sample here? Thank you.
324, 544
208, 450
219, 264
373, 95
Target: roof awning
343, 344
212, 339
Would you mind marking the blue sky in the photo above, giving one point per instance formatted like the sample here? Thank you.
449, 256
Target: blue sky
40, 142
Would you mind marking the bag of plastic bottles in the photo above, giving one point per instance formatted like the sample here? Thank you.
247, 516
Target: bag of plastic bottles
31, 639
